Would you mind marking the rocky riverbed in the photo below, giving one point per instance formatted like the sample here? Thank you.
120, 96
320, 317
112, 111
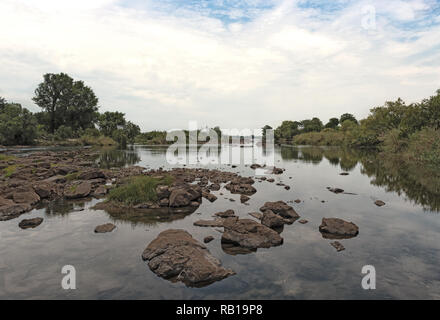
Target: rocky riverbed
42, 177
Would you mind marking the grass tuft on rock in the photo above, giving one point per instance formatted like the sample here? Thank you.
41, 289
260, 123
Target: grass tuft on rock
140, 189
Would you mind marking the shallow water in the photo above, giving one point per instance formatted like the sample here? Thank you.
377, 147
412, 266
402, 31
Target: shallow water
401, 239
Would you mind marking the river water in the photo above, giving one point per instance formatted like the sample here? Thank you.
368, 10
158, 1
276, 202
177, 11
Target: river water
401, 239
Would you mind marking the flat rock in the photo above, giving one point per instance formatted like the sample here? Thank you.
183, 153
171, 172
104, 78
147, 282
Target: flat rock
78, 191
209, 223
335, 190
175, 255
272, 220
303, 221
10, 210
30, 223
225, 214
335, 228
256, 215
103, 228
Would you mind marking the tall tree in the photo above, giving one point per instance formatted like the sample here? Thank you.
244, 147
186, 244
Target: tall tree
68, 102
347, 116
111, 121
333, 123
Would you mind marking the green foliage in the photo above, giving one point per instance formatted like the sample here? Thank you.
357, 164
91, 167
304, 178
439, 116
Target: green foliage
333, 123
152, 138
140, 189
9, 170
63, 132
17, 125
327, 137
347, 116
101, 141
66, 102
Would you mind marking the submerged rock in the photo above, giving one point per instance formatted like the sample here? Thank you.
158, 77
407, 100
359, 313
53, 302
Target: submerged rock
337, 245
334, 228
335, 190
248, 234
30, 223
209, 223
108, 227
175, 255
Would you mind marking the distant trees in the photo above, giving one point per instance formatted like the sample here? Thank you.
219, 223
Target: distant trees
347, 116
114, 125
333, 123
66, 102
17, 124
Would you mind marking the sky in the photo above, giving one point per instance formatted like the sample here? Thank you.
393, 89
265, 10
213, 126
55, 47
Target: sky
235, 64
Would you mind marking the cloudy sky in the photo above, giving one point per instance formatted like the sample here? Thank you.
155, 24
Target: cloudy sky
237, 64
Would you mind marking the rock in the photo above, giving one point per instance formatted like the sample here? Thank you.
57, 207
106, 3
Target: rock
165, 202
44, 190
30, 223
335, 190
297, 201
214, 187
10, 210
182, 197
282, 209
162, 192
243, 188
77, 191
209, 223
270, 180
29, 197
244, 198
104, 228
208, 239
256, 215
272, 220
209, 196
303, 221
344, 174
287, 187
277, 170
255, 166
56, 179
337, 245
91, 174
100, 191
177, 256
379, 203
226, 214
248, 234
334, 228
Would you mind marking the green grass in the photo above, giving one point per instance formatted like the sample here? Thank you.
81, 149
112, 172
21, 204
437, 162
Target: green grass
71, 176
5, 157
8, 171
97, 141
138, 190
327, 137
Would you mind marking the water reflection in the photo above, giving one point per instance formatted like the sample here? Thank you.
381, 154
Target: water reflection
116, 158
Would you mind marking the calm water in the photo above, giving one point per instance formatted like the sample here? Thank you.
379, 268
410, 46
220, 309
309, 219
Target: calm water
401, 239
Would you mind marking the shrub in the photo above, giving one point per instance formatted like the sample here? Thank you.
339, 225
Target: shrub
138, 190
63, 133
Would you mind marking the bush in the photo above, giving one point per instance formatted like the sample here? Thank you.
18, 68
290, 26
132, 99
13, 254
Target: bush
140, 189
64, 133
97, 141
92, 132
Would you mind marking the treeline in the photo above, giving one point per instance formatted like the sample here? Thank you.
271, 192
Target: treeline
69, 110
394, 123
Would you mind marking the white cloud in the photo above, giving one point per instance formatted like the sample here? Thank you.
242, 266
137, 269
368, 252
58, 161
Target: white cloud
163, 70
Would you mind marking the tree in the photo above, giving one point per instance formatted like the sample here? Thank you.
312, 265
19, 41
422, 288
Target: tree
265, 128
68, 102
314, 125
108, 122
17, 125
333, 123
347, 116
131, 131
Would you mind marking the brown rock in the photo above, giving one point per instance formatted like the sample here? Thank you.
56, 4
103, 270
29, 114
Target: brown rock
77, 191
91, 174
226, 214
10, 210
334, 228
104, 228
100, 191
303, 221
379, 203
272, 220
282, 209
29, 197
177, 256
337, 245
182, 197
244, 198
208, 239
249, 234
209, 223
30, 223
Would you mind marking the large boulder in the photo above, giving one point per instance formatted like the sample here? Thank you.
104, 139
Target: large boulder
283, 209
242, 188
175, 255
335, 228
249, 234
77, 191
104, 228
